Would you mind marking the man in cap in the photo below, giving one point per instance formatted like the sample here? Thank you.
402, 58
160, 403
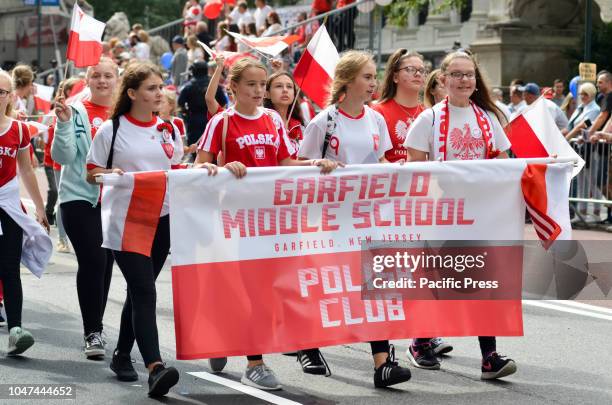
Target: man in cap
178, 66
531, 92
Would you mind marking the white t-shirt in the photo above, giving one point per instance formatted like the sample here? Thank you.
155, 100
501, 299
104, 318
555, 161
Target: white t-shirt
138, 147
359, 140
240, 18
260, 16
465, 140
142, 50
557, 114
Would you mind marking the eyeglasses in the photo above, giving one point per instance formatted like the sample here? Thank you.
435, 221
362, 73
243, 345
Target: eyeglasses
461, 75
4, 93
411, 70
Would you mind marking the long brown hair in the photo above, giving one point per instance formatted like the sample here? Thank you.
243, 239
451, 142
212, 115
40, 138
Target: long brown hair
296, 114
132, 78
389, 87
481, 96
347, 69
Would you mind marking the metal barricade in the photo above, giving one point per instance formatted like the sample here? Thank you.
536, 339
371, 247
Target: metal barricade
590, 191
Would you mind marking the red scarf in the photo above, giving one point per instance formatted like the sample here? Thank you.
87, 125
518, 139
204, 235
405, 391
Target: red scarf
483, 124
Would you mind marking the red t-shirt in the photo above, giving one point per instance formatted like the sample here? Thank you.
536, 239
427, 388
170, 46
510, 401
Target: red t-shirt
256, 141
97, 115
47, 161
219, 109
9, 147
342, 3
321, 6
398, 119
295, 135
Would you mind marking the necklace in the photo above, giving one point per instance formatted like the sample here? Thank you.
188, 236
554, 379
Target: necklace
411, 117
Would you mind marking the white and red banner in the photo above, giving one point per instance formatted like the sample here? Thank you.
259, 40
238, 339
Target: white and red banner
272, 262
267, 45
315, 70
85, 39
533, 133
43, 97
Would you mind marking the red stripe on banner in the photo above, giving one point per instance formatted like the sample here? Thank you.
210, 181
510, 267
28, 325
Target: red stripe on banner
283, 304
525, 142
533, 184
143, 213
312, 79
83, 53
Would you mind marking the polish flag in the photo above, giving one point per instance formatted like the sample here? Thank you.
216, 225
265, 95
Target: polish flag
547, 202
131, 204
80, 92
533, 133
268, 45
43, 97
85, 40
315, 70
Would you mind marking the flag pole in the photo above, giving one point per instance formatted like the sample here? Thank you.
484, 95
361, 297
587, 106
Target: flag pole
66, 69
297, 95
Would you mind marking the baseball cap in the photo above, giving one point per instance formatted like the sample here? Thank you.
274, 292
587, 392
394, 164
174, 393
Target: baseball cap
178, 40
530, 88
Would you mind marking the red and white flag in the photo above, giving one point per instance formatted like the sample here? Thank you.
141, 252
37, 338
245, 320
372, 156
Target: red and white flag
85, 39
43, 97
315, 70
533, 133
131, 204
267, 45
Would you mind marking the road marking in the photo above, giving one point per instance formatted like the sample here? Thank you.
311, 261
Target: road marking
582, 305
576, 311
245, 389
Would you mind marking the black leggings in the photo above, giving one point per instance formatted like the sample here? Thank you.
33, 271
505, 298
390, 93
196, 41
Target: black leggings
138, 317
51, 192
488, 344
83, 226
10, 255
377, 346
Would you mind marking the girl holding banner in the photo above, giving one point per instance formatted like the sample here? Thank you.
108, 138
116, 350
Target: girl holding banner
75, 128
399, 104
350, 132
230, 132
463, 126
14, 223
135, 139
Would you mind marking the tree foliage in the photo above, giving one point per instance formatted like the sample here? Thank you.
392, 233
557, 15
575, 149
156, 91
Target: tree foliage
158, 12
398, 11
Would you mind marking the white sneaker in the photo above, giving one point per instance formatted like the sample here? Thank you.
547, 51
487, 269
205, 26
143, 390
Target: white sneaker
20, 340
63, 246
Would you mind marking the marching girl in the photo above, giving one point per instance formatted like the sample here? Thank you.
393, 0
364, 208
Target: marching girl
350, 132
399, 104
14, 223
224, 133
463, 126
434, 91
79, 200
135, 139
168, 112
281, 91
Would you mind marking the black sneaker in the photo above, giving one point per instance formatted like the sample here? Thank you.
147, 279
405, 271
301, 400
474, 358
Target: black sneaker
422, 356
440, 347
161, 379
313, 362
391, 372
496, 366
121, 364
